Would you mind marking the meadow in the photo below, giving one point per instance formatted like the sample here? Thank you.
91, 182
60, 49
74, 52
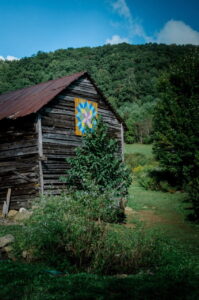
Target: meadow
163, 211
155, 213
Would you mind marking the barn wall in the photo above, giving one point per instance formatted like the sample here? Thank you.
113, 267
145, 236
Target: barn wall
58, 130
18, 161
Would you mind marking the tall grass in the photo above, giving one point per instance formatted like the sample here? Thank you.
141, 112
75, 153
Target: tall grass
68, 232
21, 281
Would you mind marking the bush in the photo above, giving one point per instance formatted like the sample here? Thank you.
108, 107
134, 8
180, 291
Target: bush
63, 230
176, 126
102, 206
129, 137
99, 159
154, 178
177, 281
127, 251
68, 233
135, 159
193, 196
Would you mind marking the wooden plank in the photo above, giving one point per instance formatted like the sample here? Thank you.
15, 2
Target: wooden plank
87, 96
59, 152
49, 146
6, 204
59, 111
16, 181
63, 137
17, 145
53, 181
39, 131
56, 176
19, 152
61, 142
61, 123
40, 149
53, 166
54, 130
56, 117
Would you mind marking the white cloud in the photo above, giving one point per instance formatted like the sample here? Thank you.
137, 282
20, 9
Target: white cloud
177, 32
121, 8
173, 32
9, 58
138, 30
116, 39
133, 26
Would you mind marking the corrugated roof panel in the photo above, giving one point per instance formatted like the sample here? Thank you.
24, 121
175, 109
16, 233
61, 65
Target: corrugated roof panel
29, 100
26, 101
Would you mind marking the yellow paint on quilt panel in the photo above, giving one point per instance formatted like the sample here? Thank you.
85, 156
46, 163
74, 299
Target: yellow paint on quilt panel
77, 102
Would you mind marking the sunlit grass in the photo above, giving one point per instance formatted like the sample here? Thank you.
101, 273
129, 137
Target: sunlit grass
166, 212
162, 212
139, 148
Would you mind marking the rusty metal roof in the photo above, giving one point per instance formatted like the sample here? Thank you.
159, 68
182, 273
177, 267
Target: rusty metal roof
29, 100
26, 101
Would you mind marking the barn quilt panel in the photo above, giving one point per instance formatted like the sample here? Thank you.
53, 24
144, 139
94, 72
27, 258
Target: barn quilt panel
85, 115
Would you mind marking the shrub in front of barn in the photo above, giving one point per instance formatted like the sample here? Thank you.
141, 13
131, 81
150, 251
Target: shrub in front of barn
62, 234
73, 231
99, 161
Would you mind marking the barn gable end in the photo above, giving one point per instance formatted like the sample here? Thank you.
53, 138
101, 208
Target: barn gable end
58, 130
47, 141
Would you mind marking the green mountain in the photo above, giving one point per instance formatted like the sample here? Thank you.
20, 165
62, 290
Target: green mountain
127, 75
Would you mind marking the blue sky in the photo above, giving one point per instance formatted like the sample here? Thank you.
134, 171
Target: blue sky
27, 26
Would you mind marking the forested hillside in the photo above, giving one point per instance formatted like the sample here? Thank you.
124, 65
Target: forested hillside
127, 75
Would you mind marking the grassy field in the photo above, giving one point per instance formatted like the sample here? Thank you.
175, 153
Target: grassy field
167, 213
139, 148
164, 213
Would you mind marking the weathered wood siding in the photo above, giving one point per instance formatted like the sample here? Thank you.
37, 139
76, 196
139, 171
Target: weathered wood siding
58, 130
18, 161
33, 149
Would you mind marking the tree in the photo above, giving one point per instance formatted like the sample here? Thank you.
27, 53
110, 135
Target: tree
176, 126
99, 160
126, 74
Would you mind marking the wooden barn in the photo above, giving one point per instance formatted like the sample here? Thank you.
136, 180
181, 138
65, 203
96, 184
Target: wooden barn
40, 126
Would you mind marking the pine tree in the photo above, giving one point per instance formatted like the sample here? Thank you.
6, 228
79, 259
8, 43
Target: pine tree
98, 160
176, 126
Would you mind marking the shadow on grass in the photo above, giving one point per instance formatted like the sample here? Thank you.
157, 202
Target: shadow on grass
25, 281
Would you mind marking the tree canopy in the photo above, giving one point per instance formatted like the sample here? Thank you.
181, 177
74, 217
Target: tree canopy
176, 126
127, 75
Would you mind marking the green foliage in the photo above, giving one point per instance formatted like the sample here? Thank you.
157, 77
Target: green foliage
176, 125
128, 251
147, 172
176, 278
138, 116
130, 85
164, 270
152, 177
137, 159
193, 191
104, 207
100, 161
63, 233
14, 229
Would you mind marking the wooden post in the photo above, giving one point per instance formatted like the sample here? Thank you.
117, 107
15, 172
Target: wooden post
6, 203
40, 149
122, 141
